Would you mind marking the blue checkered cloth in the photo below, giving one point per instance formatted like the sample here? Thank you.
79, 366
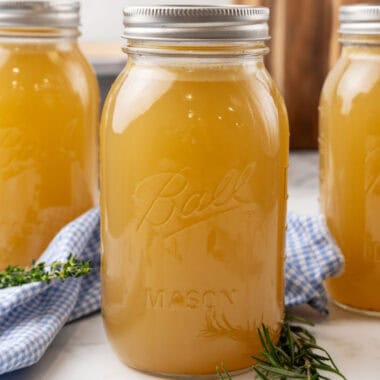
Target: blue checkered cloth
311, 257
32, 315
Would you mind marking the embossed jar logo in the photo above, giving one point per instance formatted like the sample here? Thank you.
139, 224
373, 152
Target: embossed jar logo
171, 202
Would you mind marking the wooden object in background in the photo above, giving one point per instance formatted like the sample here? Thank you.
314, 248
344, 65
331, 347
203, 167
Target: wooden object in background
304, 46
299, 60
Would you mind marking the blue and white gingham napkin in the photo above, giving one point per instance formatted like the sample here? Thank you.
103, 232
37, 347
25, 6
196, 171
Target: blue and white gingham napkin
311, 257
31, 315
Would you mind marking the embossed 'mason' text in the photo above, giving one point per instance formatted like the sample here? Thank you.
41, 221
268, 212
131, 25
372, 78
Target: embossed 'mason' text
166, 196
188, 298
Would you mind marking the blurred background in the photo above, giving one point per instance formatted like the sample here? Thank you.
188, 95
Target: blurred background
304, 46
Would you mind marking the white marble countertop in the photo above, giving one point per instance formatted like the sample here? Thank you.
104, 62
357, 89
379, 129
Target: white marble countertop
81, 352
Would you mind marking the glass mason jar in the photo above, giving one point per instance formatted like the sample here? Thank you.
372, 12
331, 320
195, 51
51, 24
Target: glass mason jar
48, 126
194, 154
350, 158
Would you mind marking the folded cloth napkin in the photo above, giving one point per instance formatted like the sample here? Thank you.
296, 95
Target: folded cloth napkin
31, 315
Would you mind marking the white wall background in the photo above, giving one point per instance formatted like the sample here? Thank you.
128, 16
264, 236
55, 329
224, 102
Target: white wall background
102, 19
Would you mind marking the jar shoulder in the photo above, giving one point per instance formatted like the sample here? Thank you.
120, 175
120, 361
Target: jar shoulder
46, 69
356, 75
194, 93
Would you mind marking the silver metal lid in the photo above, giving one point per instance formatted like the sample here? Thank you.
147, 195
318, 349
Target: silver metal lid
39, 14
189, 23
360, 19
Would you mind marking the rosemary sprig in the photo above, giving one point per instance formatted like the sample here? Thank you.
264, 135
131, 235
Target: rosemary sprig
223, 373
41, 272
296, 355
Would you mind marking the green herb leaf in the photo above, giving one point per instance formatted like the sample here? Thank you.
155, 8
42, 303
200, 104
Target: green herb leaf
295, 356
41, 272
223, 375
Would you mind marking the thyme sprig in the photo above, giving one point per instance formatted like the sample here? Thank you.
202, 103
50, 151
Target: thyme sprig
296, 355
41, 272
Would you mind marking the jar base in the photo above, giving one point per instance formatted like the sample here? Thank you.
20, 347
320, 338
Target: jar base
368, 313
190, 376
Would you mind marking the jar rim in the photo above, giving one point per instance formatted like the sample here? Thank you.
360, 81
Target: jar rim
196, 23
31, 14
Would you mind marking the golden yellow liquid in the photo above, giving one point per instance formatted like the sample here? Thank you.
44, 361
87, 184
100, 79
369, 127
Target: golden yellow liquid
350, 173
193, 188
48, 138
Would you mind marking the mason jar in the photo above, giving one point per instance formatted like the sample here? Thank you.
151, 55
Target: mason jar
194, 156
48, 126
350, 158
